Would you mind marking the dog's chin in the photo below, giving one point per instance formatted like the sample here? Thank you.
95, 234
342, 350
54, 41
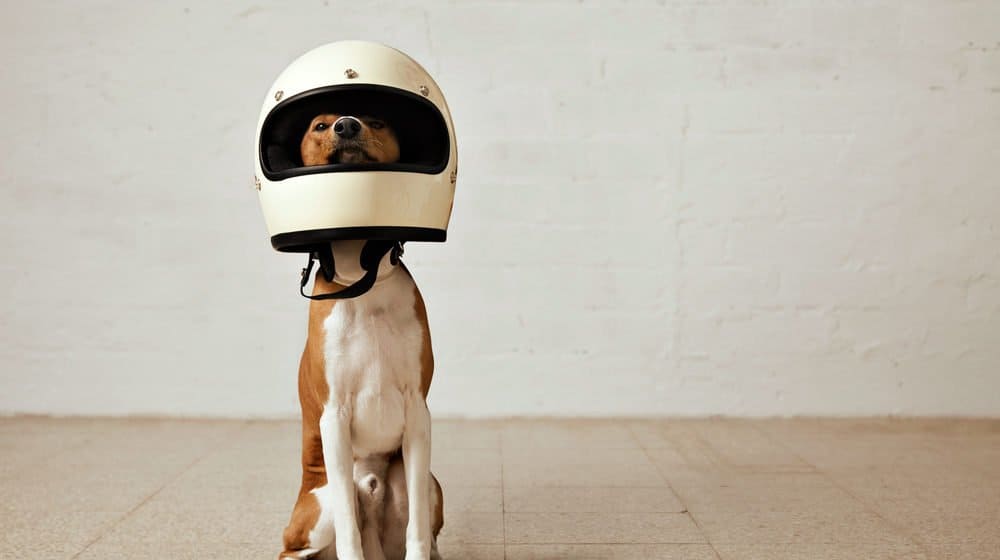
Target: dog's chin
351, 155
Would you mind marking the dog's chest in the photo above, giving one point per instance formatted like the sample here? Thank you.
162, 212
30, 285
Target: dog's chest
373, 347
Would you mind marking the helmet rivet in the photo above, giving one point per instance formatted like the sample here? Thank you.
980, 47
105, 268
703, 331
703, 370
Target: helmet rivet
256, 182
350, 73
278, 95
424, 91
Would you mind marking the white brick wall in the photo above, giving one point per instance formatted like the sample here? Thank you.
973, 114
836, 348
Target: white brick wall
673, 207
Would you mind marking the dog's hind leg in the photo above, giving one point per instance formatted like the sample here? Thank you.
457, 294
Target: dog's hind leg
310, 529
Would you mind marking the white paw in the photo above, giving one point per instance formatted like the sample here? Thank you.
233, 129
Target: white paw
349, 555
416, 553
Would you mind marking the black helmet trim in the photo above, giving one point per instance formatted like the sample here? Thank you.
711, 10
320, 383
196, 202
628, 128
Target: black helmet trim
307, 241
422, 131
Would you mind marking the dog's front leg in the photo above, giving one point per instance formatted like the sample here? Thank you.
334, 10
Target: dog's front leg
338, 454
417, 466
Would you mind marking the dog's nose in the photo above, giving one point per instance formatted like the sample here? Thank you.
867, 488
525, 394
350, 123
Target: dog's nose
347, 127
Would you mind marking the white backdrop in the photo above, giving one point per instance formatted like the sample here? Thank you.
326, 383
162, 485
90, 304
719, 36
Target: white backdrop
673, 207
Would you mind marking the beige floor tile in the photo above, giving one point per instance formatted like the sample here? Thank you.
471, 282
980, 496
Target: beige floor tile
878, 488
476, 499
272, 432
935, 483
32, 426
977, 498
741, 445
721, 445
609, 552
50, 534
150, 443
28, 550
456, 551
205, 550
946, 505
113, 468
569, 467
768, 491
156, 525
832, 445
590, 499
248, 452
213, 488
661, 433
461, 434
813, 526
566, 434
882, 489
21, 452
820, 552
87, 430
467, 467
88, 488
964, 551
979, 451
601, 528
687, 452
471, 551
222, 499
930, 527
471, 528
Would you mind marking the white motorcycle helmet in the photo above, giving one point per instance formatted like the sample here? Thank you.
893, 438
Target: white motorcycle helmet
386, 204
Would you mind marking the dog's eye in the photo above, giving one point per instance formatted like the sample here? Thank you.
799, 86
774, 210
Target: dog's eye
321, 126
376, 124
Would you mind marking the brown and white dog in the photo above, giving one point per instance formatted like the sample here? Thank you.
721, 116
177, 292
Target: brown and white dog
367, 491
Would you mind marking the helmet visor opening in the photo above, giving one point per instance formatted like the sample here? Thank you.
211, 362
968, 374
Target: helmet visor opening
411, 121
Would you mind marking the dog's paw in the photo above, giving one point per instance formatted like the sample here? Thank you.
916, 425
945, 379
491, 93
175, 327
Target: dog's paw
417, 554
435, 555
349, 555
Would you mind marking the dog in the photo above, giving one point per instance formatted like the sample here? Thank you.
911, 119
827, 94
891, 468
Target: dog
334, 138
367, 492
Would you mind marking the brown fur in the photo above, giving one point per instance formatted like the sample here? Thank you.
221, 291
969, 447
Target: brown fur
371, 145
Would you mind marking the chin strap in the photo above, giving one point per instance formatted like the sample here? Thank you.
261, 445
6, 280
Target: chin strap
371, 256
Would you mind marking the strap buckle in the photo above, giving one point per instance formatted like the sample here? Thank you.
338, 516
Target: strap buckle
396, 254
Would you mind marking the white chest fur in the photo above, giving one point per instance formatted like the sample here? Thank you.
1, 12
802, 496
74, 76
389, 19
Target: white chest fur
372, 349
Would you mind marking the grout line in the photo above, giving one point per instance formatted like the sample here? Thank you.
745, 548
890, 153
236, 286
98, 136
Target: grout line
673, 491
898, 528
147, 499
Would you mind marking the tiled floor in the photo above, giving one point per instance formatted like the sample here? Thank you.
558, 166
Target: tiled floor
523, 490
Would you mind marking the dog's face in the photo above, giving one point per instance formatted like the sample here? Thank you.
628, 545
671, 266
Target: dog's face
334, 138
